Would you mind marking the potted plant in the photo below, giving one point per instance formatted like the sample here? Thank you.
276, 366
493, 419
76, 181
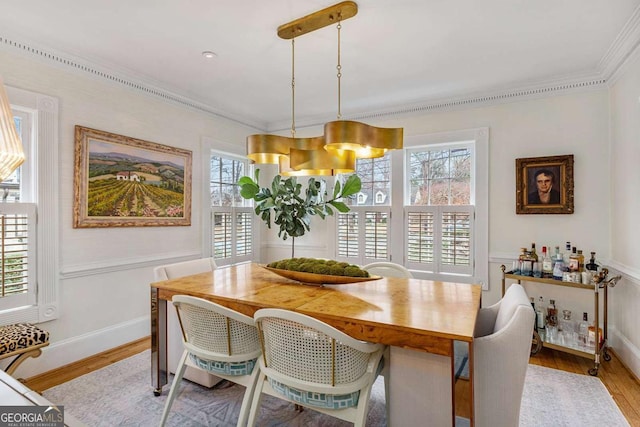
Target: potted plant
292, 210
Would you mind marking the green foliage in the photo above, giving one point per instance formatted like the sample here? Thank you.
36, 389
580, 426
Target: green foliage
319, 266
290, 209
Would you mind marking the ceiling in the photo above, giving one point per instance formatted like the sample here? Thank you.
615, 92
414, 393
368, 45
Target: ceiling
394, 53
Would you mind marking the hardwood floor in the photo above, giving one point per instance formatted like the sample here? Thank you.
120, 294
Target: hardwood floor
621, 383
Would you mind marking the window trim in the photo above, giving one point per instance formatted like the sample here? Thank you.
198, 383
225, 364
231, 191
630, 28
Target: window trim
44, 131
480, 195
211, 147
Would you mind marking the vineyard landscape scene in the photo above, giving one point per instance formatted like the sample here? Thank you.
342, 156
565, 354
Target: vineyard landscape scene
129, 182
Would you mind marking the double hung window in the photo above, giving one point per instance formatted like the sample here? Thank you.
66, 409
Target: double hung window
425, 207
231, 215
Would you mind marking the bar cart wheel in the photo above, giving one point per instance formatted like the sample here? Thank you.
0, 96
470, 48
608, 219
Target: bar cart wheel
606, 355
593, 372
157, 391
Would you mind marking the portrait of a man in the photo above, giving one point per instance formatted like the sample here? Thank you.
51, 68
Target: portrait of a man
545, 188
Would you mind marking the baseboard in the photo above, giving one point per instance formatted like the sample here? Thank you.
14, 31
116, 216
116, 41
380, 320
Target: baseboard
628, 353
64, 352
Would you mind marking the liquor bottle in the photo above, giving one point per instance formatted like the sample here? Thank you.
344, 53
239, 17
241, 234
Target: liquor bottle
533, 305
591, 342
533, 255
552, 314
580, 261
574, 262
540, 313
583, 331
592, 266
547, 264
567, 253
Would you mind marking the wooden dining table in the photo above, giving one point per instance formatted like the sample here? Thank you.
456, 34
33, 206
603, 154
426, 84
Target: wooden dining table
418, 319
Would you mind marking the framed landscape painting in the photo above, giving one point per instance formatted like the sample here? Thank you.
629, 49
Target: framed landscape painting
127, 182
544, 185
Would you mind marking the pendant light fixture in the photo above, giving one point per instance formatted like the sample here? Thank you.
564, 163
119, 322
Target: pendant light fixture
343, 140
11, 152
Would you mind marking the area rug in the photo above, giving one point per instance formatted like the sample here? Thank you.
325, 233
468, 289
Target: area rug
121, 395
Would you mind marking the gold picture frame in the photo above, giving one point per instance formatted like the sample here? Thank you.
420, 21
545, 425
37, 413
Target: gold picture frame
126, 182
544, 185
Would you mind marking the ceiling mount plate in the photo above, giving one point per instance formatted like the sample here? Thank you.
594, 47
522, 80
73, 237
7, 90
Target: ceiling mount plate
317, 20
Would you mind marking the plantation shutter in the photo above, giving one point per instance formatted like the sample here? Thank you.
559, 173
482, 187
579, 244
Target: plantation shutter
363, 234
229, 245
17, 255
439, 238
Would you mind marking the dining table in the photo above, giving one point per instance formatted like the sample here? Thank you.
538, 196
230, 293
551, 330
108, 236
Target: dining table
419, 320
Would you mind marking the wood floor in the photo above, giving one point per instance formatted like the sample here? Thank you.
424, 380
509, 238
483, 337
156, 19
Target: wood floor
620, 382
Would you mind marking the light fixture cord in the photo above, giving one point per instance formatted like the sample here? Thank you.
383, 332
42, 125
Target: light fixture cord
339, 67
293, 87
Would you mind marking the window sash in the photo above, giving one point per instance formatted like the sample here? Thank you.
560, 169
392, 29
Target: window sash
440, 238
17, 255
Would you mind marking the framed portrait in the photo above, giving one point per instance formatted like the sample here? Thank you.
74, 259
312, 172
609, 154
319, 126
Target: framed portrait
544, 185
127, 182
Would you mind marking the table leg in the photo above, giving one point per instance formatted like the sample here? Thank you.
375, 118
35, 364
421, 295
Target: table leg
159, 372
420, 389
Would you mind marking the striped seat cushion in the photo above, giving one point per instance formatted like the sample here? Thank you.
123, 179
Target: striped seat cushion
319, 400
228, 368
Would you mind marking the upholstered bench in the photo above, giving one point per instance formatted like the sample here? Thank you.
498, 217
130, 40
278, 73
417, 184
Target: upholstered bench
22, 340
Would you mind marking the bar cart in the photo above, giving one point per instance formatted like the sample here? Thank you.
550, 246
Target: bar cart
600, 284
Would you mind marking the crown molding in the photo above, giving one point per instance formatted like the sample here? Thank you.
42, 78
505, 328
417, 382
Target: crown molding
609, 68
622, 48
136, 83
514, 93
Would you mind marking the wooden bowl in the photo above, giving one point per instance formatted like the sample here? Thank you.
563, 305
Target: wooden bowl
319, 279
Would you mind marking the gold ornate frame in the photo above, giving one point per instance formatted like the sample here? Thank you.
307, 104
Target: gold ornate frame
127, 182
526, 170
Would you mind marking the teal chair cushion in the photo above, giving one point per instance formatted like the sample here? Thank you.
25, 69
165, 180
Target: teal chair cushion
319, 400
228, 368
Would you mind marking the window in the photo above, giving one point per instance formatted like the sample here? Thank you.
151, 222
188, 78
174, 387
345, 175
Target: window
425, 207
363, 232
28, 250
439, 215
231, 215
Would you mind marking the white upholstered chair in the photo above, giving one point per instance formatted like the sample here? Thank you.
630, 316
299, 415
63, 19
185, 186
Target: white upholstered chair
174, 335
501, 354
218, 340
312, 364
388, 269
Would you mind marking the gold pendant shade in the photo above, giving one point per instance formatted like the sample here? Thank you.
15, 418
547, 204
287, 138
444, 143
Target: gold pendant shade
343, 141
11, 153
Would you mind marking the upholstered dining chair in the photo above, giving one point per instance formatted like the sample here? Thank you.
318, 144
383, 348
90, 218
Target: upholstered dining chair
500, 357
174, 271
388, 269
309, 363
218, 340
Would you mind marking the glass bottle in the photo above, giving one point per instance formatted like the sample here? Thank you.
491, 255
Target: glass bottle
540, 313
533, 255
574, 262
552, 314
592, 266
547, 264
558, 269
591, 342
580, 261
583, 331
567, 253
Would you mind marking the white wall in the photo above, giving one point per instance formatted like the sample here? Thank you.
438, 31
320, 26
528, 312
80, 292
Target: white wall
105, 273
625, 208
